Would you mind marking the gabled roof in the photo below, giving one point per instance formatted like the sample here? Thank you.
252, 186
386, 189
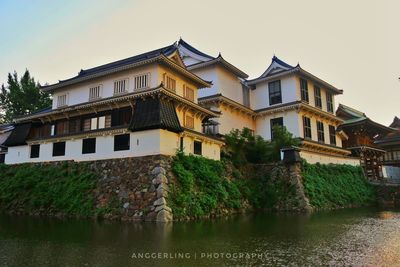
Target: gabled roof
182, 46
278, 68
349, 113
159, 55
219, 60
204, 60
395, 123
353, 117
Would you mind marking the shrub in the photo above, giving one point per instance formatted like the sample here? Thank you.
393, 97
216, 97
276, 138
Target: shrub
62, 188
332, 185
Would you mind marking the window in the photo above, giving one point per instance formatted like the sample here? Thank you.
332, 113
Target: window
197, 148
120, 86
170, 83
58, 149
61, 101
332, 135
120, 117
121, 142
304, 90
74, 126
189, 122
89, 146
95, 92
181, 144
317, 95
142, 81
320, 131
97, 123
329, 102
35, 151
276, 121
53, 130
188, 93
246, 96
275, 96
62, 128
307, 127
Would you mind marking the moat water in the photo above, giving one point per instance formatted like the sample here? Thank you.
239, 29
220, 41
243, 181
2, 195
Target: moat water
354, 237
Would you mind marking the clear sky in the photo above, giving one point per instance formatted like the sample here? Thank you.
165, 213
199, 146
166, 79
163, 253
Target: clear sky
354, 45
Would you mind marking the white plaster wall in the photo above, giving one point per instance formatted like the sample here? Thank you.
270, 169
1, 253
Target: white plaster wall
391, 172
209, 150
290, 121
261, 93
144, 143
230, 85
230, 119
208, 74
325, 159
79, 93
224, 82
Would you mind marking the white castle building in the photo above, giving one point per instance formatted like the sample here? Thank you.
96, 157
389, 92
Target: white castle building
177, 98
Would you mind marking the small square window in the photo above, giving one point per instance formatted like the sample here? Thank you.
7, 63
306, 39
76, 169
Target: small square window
121, 142
35, 151
58, 149
89, 146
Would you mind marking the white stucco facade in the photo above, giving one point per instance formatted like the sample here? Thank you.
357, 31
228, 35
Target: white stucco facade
144, 143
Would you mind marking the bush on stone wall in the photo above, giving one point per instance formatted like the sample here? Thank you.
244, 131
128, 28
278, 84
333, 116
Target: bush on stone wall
330, 186
47, 189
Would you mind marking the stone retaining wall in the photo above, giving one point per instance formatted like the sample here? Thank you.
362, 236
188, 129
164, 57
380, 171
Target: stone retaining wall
134, 189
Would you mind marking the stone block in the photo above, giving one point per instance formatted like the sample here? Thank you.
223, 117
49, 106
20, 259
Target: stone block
160, 201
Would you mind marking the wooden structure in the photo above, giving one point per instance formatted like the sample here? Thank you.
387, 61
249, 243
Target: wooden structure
362, 132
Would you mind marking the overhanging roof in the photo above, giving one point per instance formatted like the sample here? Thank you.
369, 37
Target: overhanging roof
155, 56
279, 68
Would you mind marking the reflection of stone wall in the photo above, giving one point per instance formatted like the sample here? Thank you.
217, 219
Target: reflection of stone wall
133, 188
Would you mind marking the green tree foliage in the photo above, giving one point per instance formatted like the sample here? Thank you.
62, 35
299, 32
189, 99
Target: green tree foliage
244, 147
21, 96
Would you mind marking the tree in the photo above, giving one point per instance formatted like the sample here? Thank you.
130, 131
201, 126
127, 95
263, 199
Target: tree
21, 97
244, 147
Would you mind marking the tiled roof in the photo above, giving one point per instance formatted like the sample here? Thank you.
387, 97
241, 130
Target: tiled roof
155, 113
18, 135
194, 50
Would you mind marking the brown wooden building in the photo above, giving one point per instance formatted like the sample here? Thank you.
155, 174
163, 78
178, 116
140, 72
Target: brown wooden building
361, 135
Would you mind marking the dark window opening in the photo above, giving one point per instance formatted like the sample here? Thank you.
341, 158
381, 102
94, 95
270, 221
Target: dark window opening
332, 135
275, 95
2, 158
197, 148
320, 131
35, 151
317, 95
181, 144
121, 142
89, 146
121, 117
304, 90
58, 149
274, 122
307, 127
329, 102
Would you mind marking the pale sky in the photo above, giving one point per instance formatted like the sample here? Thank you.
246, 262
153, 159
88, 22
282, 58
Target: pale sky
354, 45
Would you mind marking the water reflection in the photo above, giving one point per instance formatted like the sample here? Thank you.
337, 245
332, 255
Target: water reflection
348, 237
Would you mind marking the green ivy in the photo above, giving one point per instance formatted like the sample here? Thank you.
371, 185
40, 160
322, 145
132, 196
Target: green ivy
329, 186
65, 188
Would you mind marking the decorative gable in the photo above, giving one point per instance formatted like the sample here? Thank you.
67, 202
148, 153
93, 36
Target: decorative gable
276, 66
